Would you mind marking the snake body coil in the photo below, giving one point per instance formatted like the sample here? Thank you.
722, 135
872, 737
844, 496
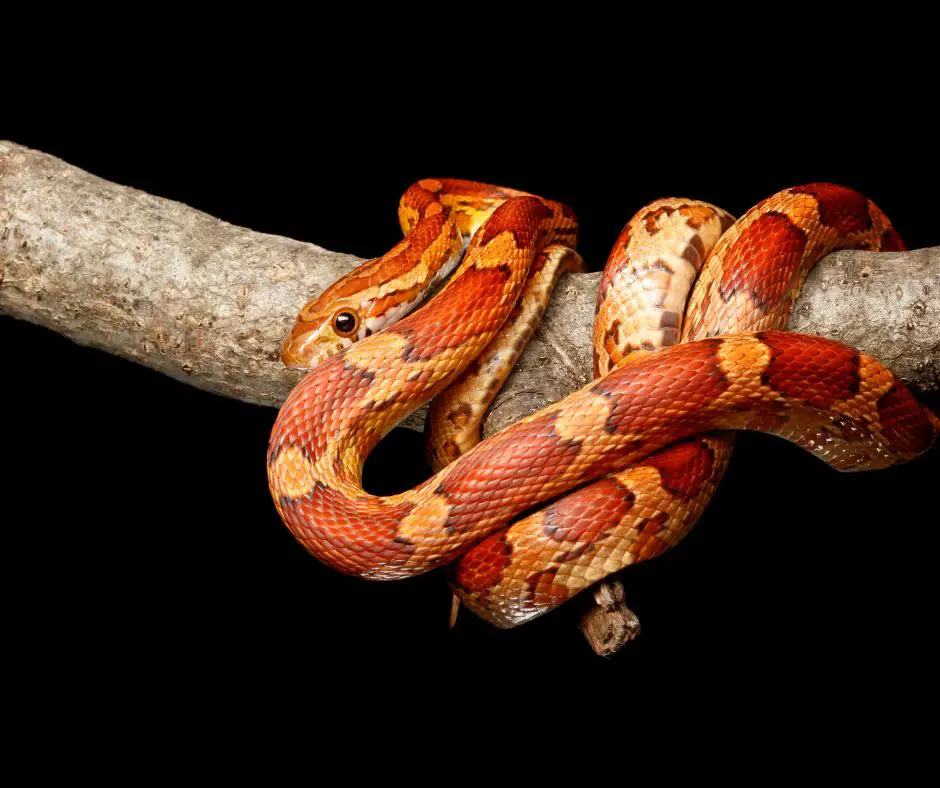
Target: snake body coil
623, 467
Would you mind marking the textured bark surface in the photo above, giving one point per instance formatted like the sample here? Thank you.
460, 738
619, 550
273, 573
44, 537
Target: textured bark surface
608, 625
208, 303
884, 303
152, 280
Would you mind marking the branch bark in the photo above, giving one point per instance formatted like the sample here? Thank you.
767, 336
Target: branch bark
886, 304
208, 303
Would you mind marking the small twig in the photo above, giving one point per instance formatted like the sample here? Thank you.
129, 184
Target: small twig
609, 624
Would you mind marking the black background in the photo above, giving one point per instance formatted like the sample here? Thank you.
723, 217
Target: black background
146, 568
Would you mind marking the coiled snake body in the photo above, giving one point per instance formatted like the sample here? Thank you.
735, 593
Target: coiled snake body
616, 472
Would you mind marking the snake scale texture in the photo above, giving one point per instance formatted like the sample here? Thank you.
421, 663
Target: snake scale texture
689, 348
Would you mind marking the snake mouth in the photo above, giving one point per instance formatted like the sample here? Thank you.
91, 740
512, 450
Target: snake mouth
291, 363
294, 355
305, 350
300, 352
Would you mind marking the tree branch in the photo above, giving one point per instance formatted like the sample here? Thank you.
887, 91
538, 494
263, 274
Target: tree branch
208, 303
152, 280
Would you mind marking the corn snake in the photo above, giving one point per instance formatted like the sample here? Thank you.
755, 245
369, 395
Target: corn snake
621, 468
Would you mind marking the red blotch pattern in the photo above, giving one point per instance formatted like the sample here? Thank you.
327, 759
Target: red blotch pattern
648, 543
307, 420
403, 257
542, 591
905, 424
891, 241
683, 467
480, 191
843, 209
468, 297
763, 260
586, 515
818, 374
522, 217
482, 568
639, 399
536, 458
365, 539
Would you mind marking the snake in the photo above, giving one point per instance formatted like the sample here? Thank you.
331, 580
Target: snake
690, 348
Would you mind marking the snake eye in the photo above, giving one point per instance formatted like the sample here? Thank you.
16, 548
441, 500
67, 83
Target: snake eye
345, 323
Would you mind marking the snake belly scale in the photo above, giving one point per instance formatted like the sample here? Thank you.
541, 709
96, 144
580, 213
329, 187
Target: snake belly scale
619, 470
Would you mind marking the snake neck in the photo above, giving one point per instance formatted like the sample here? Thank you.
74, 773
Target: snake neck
345, 405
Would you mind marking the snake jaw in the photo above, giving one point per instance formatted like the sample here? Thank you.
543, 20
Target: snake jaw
309, 345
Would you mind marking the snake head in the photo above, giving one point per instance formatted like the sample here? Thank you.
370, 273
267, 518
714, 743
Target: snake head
322, 330
357, 305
